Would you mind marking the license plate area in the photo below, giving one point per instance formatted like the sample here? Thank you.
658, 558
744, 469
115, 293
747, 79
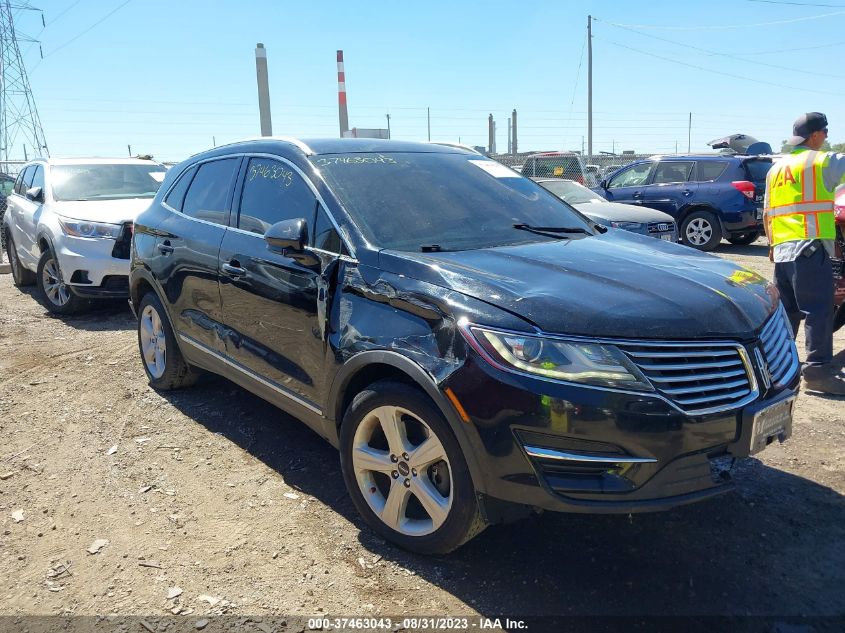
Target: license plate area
668, 237
773, 422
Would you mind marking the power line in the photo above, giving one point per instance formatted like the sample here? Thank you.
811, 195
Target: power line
725, 26
718, 72
97, 23
803, 71
798, 4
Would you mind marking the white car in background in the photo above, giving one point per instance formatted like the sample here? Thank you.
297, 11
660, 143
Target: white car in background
68, 226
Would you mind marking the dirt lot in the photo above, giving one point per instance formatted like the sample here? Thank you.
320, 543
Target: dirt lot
215, 493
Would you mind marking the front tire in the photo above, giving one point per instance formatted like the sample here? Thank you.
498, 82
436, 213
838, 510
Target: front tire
21, 276
744, 239
54, 293
163, 362
701, 230
405, 470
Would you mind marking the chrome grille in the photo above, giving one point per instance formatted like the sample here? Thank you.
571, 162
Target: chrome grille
696, 377
779, 348
661, 227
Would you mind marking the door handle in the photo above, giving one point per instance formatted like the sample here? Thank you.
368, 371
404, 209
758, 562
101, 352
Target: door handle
636, 194
687, 192
233, 271
165, 248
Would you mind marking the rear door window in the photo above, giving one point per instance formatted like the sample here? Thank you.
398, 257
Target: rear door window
208, 195
709, 170
273, 192
671, 172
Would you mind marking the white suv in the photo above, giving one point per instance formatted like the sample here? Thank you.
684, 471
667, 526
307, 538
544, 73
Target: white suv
68, 226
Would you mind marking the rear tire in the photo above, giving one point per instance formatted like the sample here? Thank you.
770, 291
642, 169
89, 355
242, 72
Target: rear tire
54, 293
701, 230
161, 357
21, 276
405, 470
744, 239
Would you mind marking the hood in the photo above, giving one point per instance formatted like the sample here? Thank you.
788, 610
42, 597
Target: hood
618, 284
110, 211
617, 212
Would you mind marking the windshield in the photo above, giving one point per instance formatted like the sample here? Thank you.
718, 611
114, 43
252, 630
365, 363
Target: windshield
405, 201
572, 192
105, 182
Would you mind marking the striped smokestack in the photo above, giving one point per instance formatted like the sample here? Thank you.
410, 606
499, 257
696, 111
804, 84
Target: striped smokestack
341, 95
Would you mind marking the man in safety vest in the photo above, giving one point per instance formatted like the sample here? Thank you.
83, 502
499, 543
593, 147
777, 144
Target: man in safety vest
800, 225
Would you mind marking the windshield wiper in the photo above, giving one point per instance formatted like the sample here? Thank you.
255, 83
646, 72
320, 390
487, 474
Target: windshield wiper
551, 231
432, 248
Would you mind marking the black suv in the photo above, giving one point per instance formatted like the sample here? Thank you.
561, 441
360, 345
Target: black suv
474, 346
711, 196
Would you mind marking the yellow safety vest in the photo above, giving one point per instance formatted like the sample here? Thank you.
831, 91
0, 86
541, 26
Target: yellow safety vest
800, 205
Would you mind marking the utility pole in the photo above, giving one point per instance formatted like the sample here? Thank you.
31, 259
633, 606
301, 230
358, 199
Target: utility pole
129, 147
513, 141
388, 125
689, 134
263, 90
589, 85
490, 134
19, 120
428, 120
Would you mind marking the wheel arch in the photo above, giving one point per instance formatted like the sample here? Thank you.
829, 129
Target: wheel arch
699, 206
365, 368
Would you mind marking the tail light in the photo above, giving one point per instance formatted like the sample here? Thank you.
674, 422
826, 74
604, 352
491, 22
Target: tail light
745, 187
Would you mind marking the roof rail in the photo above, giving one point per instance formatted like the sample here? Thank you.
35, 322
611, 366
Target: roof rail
285, 139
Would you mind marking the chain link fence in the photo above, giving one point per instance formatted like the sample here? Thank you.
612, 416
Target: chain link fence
589, 170
8, 172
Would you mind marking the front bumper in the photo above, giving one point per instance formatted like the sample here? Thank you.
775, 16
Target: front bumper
651, 456
90, 268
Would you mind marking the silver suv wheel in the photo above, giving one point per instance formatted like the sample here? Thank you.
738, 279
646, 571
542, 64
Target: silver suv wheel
406, 483
153, 342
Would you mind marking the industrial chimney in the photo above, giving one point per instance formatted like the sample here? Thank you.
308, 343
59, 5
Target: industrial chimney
263, 90
341, 96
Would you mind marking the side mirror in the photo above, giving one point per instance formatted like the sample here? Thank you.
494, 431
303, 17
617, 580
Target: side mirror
288, 235
36, 194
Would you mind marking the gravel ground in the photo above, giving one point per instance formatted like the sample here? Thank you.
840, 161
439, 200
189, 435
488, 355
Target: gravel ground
210, 501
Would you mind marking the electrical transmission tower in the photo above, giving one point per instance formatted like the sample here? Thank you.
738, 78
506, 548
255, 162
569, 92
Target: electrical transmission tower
20, 126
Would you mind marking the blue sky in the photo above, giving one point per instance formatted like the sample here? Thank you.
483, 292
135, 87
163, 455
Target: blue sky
172, 77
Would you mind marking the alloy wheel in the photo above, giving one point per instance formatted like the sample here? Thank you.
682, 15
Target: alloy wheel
153, 342
402, 471
699, 232
55, 289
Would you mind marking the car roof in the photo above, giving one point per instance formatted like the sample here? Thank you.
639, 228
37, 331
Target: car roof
316, 146
95, 161
713, 156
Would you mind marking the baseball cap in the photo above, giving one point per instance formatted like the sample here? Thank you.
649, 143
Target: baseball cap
805, 125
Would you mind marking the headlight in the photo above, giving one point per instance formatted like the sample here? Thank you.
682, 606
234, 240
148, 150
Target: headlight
570, 361
81, 228
628, 226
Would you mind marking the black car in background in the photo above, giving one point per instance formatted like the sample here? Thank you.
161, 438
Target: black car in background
474, 347
711, 196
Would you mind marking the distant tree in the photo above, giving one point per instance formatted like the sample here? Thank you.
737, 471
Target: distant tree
785, 147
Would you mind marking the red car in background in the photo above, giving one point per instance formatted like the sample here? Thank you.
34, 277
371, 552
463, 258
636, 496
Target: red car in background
839, 261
